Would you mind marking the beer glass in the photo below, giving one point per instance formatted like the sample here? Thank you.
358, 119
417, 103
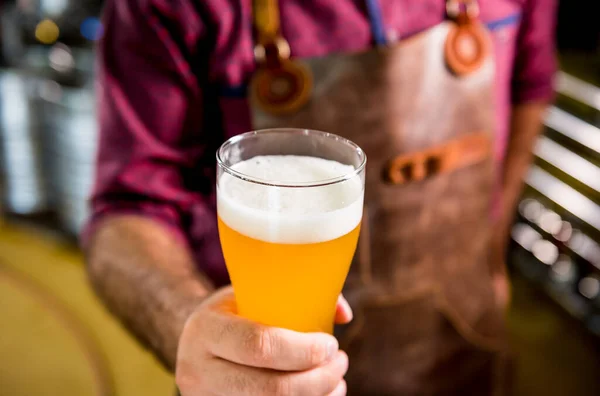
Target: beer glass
289, 205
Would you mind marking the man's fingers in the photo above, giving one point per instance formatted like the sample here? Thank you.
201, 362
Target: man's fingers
238, 340
232, 379
221, 353
340, 390
343, 311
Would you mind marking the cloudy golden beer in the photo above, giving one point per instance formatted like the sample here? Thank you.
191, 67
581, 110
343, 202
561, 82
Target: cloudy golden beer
288, 249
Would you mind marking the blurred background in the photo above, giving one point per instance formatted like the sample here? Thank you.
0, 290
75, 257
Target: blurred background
55, 338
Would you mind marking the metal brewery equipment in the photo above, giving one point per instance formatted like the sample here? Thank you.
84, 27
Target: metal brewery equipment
52, 40
24, 191
66, 103
71, 145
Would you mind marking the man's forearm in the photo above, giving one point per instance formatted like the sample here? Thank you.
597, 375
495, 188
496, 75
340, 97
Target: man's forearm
147, 278
526, 125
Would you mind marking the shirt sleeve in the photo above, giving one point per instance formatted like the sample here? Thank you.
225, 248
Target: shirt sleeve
149, 109
535, 62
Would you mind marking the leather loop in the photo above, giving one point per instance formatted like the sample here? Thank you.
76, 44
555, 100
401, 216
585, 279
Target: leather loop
467, 47
460, 153
467, 44
282, 88
279, 86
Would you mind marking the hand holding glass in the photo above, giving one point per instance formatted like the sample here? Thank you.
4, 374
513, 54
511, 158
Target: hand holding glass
289, 204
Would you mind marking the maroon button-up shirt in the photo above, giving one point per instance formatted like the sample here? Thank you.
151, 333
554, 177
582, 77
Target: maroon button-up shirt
171, 79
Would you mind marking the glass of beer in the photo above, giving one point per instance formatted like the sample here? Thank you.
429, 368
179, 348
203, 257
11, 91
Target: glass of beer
289, 204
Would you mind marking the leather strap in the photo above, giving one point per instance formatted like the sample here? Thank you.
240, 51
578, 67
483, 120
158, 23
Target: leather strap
376, 19
460, 153
267, 21
266, 18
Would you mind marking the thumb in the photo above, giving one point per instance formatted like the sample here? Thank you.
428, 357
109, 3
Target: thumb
343, 312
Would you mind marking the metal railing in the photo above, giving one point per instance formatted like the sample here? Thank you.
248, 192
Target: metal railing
557, 233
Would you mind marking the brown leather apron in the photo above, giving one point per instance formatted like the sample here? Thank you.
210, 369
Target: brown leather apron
426, 322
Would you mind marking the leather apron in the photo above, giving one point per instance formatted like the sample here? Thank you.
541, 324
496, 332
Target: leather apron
426, 322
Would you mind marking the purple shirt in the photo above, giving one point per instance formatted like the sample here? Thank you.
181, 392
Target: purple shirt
171, 90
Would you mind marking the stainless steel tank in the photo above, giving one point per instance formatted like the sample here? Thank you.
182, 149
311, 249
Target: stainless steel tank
71, 149
24, 190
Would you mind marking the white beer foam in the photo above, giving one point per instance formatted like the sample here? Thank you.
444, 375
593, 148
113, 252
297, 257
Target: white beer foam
290, 215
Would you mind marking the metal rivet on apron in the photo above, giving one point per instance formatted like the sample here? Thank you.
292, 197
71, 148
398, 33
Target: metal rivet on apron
392, 36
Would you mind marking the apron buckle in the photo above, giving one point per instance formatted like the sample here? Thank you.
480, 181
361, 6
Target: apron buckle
467, 45
272, 51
